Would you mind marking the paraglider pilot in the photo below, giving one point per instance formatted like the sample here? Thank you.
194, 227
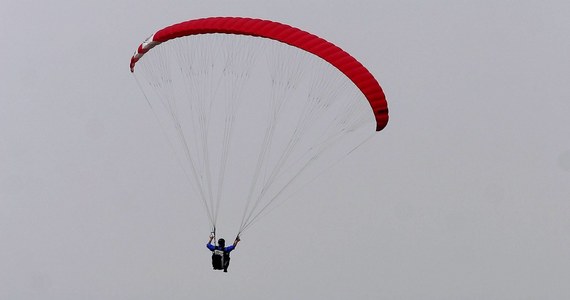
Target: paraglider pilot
221, 253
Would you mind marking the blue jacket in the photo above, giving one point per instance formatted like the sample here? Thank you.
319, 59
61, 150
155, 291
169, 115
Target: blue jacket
227, 249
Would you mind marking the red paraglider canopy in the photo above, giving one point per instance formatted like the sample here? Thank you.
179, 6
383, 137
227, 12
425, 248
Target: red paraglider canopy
343, 61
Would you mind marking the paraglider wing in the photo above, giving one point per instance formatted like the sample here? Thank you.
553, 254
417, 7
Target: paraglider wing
285, 34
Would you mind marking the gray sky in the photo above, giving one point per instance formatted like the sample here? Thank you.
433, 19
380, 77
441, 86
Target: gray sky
463, 196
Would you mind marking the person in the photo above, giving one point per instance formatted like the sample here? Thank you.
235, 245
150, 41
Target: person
221, 253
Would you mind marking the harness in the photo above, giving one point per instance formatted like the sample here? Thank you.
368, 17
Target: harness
220, 258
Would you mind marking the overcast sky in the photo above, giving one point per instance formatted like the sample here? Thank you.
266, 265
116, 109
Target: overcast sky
465, 195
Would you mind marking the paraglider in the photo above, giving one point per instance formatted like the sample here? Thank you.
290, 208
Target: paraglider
221, 253
254, 109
